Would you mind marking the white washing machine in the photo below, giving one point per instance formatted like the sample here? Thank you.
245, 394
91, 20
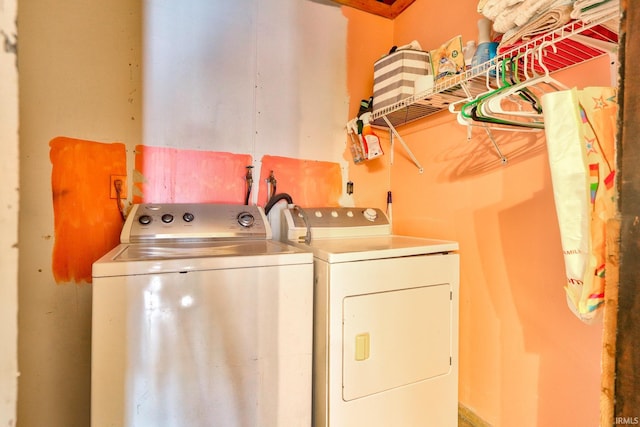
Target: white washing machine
200, 319
385, 320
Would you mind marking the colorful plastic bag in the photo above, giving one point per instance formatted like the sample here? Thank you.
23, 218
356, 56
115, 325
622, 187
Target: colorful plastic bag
580, 127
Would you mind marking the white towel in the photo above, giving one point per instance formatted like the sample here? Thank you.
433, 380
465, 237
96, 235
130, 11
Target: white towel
505, 19
526, 14
492, 8
592, 10
509, 14
542, 23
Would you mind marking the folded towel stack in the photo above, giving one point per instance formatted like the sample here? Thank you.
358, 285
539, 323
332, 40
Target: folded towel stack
524, 19
509, 14
521, 20
591, 10
542, 23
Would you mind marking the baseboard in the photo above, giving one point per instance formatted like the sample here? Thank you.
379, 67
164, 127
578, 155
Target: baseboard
468, 418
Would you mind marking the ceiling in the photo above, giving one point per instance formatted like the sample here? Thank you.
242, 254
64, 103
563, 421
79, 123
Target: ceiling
387, 8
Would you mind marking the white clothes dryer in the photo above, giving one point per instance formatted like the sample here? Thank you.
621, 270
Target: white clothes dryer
200, 319
385, 320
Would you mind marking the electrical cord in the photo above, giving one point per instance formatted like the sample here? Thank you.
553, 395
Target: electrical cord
118, 187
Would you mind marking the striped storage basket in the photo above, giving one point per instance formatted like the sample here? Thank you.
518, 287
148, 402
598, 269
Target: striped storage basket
394, 76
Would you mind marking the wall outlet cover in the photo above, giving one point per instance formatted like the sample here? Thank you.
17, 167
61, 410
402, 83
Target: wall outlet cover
112, 186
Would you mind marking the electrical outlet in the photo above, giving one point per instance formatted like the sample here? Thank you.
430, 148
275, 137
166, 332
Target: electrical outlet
123, 186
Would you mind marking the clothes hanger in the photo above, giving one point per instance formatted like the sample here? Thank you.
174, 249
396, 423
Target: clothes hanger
535, 81
472, 110
466, 109
492, 126
524, 99
526, 92
469, 105
469, 122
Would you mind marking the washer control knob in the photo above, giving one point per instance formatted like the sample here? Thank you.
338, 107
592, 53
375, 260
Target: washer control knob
167, 218
144, 219
334, 214
246, 219
370, 214
188, 217
318, 214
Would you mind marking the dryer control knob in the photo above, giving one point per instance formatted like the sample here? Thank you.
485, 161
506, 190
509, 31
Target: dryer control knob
167, 218
188, 217
370, 214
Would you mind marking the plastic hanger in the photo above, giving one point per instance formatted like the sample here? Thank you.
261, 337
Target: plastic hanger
493, 126
526, 92
469, 105
526, 98
472, 110
537, 80
456, 108
475, 112
467, 113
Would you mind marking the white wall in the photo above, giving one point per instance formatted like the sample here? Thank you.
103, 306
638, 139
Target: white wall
8, 214
254, 76
250, 76
79, 77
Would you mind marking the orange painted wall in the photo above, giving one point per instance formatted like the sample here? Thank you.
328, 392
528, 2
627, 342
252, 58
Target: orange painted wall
309, 183
87, 222
525, 360
368, 38
171, 175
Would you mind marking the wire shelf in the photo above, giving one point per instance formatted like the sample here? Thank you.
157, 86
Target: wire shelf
572, 44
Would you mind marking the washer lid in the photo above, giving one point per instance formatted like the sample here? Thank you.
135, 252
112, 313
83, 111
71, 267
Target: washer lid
147, 258
377, 247
141, 252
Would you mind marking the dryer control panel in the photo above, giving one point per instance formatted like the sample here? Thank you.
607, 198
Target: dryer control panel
178, 222
334, 222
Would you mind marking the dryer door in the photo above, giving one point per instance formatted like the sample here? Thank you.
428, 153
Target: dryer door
395, 338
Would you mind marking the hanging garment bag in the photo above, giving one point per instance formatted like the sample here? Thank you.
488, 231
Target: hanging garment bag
580, 127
